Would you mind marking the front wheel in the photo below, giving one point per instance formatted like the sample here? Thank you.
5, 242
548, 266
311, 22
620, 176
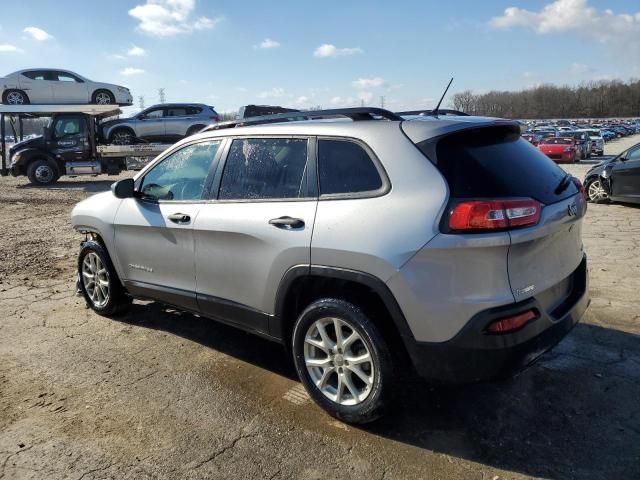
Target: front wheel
98, 281
122, 137
42, 172
103, 97
596, 191
343, 360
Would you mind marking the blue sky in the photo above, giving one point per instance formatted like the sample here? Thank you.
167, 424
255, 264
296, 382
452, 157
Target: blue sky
301, 53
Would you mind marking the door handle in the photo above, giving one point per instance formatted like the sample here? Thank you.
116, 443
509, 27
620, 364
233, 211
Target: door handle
287, 223
179, 218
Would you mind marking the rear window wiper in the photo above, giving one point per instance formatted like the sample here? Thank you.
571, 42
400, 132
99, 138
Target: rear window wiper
564, 183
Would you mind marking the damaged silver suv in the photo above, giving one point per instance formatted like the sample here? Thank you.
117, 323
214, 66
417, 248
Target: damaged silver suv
368, 243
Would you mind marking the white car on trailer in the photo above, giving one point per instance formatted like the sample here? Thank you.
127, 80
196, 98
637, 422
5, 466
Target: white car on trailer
46, 86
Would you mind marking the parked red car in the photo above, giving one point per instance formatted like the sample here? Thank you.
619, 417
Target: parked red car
559, 149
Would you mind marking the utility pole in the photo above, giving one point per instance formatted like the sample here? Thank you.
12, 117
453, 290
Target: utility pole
381, 101
362, 102
161, 95
141, 102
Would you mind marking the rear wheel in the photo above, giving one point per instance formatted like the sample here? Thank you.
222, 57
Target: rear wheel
103, 97
98, 281
15, 97
42, 172
596, 191
343, 360
194, 129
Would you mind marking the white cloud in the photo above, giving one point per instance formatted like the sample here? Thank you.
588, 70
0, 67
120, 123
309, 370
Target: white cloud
267, 43
329, 50
7, 48
116, 56
619, 30
275, 92
528, 74
129, 71
37, 34
344, 101
165, 18
135, 51
580, 68
364, 83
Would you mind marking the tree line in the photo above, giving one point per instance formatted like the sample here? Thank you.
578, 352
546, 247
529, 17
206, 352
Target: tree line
597, 99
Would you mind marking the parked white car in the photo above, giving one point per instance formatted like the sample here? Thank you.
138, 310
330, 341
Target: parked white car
50, 86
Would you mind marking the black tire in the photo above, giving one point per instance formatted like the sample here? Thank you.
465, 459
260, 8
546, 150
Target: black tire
103, 97
117, 301
122, 136
194, 129
9, 95
381, 364
42, 172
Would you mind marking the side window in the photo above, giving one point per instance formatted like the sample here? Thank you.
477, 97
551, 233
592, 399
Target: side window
193, 110
158, 113
176, 112
66, 77
264, 168
345, 167
634, 154
66, 126
36, 75
181, 175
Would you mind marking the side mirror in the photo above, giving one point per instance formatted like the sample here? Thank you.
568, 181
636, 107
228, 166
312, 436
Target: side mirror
123, 188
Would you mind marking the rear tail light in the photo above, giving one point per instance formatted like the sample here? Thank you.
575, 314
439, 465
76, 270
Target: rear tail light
215, 118
579, 186
511, 324
494, 214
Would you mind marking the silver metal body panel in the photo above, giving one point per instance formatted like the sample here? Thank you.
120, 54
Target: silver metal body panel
241, 257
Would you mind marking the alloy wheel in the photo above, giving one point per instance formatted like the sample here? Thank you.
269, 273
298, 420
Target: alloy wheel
103, 98
339, 361
95, 279
15, 98
596, 191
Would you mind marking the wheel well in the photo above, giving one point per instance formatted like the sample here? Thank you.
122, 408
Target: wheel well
119, 128
307, 289
102, 90
59, 168
195, 127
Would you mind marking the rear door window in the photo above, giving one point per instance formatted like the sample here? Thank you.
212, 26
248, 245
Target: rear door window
495, 162
37, 75
176, 112
265, 168
345, 167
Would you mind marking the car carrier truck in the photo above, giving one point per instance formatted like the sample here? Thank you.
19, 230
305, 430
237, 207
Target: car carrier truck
69, 145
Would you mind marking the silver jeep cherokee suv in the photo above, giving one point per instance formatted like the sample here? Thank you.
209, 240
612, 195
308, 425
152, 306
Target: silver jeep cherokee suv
364, 244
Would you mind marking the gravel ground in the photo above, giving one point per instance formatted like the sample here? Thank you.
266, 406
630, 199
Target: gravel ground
164, 394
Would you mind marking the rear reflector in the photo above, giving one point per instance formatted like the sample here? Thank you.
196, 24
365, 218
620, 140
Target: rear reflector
510, 324
494, 214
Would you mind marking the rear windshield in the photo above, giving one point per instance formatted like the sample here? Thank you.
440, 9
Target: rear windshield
495, 162
558, 141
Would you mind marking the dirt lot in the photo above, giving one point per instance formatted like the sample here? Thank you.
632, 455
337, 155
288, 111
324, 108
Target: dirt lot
163, 394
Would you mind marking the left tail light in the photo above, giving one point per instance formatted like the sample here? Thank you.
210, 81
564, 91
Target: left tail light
484, 215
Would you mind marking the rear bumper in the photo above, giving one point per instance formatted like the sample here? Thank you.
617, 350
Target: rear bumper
475, 355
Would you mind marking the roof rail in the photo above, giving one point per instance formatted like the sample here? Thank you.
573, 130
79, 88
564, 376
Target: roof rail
355, 114
431, 112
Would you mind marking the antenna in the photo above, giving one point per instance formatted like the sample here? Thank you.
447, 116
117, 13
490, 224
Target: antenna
435, 110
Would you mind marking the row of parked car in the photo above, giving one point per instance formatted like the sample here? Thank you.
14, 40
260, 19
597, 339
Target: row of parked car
571, 142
